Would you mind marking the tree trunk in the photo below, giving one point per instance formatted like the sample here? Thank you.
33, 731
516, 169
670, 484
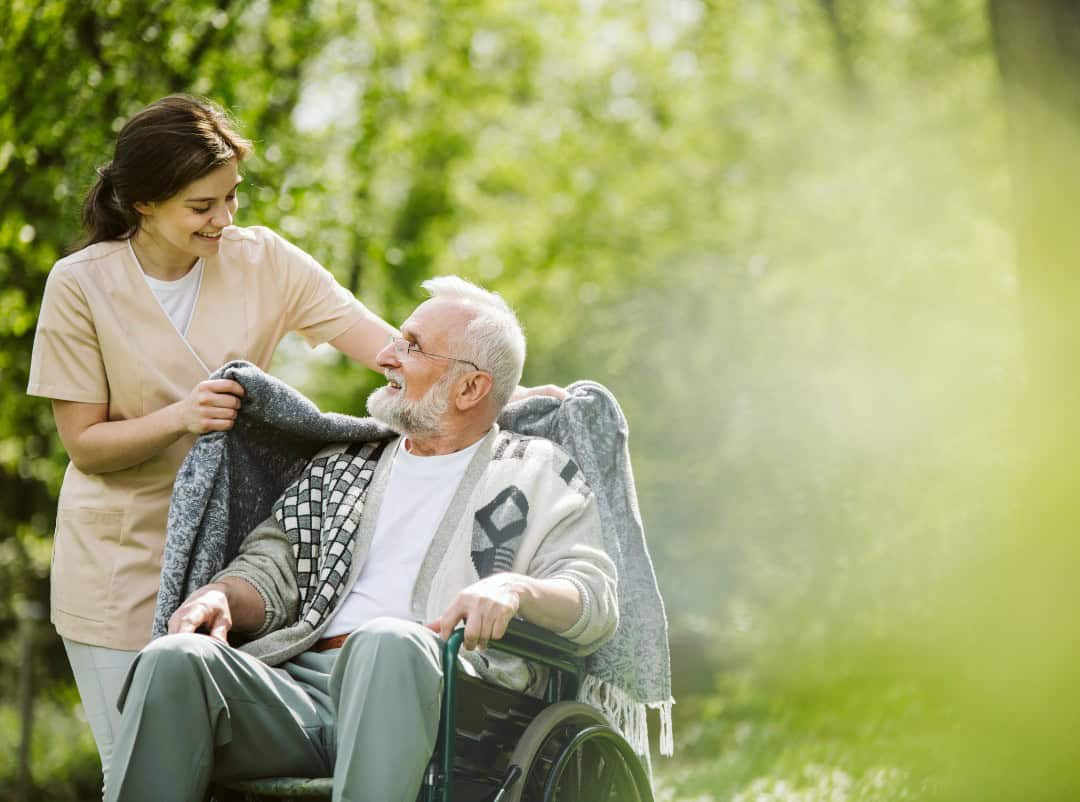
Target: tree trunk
1038, 50
845, 57
1029, 749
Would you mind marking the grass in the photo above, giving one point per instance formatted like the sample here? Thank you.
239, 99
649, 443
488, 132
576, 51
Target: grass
839, 740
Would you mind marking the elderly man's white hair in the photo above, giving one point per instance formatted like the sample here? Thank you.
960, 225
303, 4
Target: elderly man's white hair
493, 339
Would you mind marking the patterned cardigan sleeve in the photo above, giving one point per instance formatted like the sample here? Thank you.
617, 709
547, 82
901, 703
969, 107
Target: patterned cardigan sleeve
572, 548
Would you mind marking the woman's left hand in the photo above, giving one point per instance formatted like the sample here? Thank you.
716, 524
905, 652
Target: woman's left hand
541, 389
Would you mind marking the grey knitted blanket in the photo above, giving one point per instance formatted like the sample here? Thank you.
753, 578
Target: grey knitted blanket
229, 482
632, 671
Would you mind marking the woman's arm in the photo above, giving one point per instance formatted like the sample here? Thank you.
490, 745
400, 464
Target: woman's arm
98, 445
362, 341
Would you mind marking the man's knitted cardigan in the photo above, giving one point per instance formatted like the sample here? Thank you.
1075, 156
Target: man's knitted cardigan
229, 482
521, 506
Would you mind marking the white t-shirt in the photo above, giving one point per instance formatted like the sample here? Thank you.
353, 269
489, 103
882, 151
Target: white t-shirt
178, 297
417, 496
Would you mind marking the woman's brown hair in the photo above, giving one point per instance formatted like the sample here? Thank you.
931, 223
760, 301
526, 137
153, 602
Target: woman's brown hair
159, 151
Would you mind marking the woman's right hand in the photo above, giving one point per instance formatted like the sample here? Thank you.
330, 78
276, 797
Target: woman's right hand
212, 406
98, 445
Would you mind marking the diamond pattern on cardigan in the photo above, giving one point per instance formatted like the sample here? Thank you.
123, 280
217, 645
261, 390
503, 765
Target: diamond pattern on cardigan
323, 556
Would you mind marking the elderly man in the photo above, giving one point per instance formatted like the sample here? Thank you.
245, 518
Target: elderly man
370, 557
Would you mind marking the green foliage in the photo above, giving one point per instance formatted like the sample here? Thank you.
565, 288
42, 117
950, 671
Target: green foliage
64, 760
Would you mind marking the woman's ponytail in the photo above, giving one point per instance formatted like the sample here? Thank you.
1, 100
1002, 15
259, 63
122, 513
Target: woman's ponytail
103, 213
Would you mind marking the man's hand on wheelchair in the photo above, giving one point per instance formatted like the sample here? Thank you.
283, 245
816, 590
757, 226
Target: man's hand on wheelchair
205, 609
486, 607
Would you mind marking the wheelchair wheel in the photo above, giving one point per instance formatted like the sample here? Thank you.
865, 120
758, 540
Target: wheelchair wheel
569, 753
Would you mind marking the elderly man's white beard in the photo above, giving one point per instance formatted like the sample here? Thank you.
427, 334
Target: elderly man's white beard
411, 418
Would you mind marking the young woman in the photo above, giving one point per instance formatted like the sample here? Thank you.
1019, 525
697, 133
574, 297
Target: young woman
131, 326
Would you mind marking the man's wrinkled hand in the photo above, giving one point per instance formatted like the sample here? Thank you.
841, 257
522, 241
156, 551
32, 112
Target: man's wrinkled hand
486, 607
208, 608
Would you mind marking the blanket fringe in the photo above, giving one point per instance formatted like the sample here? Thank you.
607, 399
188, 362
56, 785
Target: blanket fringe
628, 716
667, 731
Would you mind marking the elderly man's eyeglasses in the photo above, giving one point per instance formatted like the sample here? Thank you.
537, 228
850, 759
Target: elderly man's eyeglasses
403, 348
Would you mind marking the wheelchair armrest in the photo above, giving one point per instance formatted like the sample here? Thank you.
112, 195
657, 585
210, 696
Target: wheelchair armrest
526, 639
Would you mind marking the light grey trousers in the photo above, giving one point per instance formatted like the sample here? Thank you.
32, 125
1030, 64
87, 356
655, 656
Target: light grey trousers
196, 711
99, 675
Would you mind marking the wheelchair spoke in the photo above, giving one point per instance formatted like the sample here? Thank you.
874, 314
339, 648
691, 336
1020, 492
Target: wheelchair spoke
624, 784
596, 772
579, 772
607, 776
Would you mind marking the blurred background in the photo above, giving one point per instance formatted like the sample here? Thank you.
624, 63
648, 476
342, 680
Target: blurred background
822, 251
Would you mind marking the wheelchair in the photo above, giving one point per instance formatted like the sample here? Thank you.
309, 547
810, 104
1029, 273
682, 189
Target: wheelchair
498, 745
